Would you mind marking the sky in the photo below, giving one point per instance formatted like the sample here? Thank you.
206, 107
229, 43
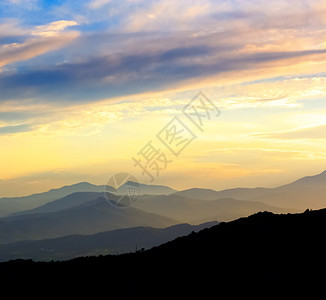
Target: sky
189, 93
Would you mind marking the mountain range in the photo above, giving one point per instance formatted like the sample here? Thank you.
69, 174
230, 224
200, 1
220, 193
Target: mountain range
197, 211
307, 192
262, 254
110, 242
16, 204
83, 210
88, 218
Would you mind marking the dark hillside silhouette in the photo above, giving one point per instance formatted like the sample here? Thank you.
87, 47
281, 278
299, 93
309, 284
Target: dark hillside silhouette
109, 242
262, 252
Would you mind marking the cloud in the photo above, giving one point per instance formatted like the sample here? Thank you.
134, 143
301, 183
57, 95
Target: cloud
52, 79
284, 91
52, 29
205, 15
4, 130
165, 15
197, 46
41, 39
162, 45
22, 1
33, 47
126, 74
312, 132
10, 28
96, 4
27, 4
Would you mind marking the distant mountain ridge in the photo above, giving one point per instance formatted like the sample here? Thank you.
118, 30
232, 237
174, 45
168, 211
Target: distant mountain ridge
307, 192
299, 194
174, 206
87, 218
88, 212
111, 242
10, 205
309, 180
195, 210
69, 201
17, 204
150, 189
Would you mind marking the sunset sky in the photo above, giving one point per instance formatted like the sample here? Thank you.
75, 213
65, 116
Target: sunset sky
85, 85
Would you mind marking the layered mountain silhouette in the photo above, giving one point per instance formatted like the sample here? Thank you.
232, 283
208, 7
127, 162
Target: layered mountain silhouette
72, 200
110, 242
17, 204
263, 253
307, 192
88, 218
149, 189
197, 211
82, 209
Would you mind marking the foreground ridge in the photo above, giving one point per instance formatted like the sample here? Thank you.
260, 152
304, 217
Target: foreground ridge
264, 250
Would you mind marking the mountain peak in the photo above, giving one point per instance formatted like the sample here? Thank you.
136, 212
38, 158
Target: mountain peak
80, 186
313, 180
82, 183
322, 174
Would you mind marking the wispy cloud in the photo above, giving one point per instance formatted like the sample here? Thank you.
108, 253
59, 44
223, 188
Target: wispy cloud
39, 40
122, 75
26, 4
15, 129
164, 45
53, 28
11, 28
33, 47
96, 4
66, 64
312, 132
